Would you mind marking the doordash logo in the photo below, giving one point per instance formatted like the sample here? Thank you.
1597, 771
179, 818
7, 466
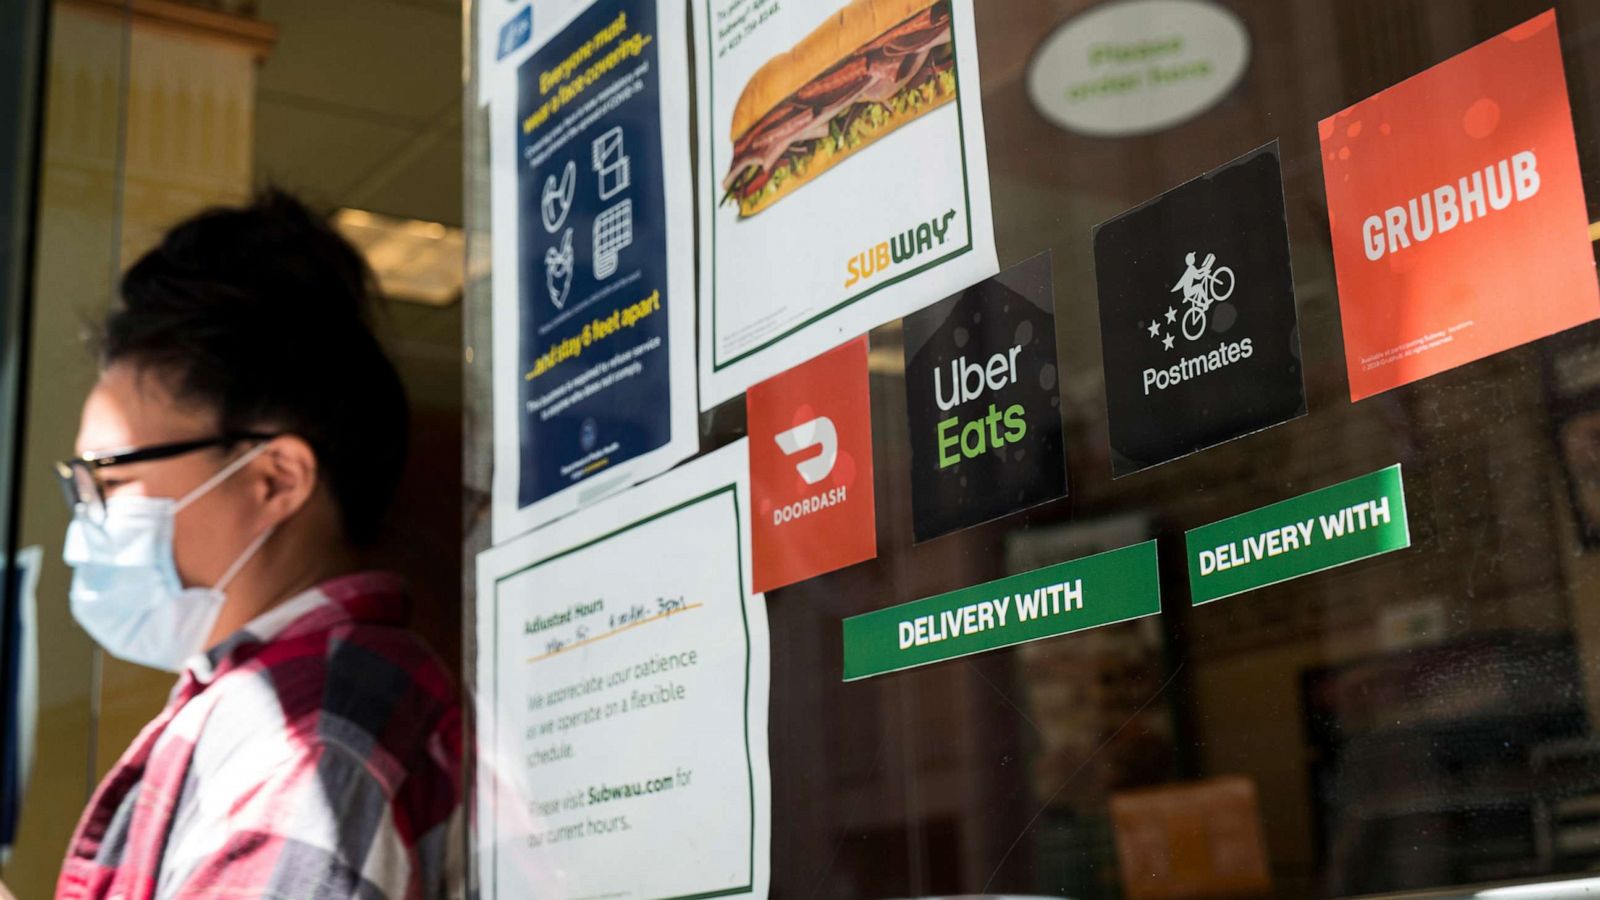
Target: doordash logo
818, 432
811, 469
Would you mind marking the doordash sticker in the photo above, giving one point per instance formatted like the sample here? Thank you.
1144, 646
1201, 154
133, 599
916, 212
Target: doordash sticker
811, 469
1457, 212
983, 402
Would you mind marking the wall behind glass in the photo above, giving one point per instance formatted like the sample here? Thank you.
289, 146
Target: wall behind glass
148, 119
75, 267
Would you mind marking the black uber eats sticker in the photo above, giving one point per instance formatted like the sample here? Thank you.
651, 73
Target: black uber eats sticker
1197, 315
983, 402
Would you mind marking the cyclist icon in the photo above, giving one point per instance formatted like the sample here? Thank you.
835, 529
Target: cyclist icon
1201, 287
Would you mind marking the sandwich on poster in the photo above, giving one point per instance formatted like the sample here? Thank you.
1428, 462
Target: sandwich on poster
865, 71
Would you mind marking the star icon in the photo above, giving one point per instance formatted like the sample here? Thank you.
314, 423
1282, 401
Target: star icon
1166, 343
1155, 328
1172, 315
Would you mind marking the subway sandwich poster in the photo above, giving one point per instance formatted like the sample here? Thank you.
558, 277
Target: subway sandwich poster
843, 179
1457, 212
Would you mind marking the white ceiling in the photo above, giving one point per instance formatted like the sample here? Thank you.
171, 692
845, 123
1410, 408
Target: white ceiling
360, 105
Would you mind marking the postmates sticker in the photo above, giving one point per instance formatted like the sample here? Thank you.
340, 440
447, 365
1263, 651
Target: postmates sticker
811, 469
1457, 212
1197, 315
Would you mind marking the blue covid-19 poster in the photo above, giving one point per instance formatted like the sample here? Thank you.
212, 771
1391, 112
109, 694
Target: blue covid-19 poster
600, 316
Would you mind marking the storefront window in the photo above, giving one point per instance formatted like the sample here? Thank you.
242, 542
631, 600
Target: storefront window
1415, 714
1119, 448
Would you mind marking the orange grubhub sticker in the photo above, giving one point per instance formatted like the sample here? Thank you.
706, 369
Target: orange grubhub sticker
1457, 212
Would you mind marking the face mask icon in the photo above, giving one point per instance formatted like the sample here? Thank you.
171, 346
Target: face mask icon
555, 201
818, 432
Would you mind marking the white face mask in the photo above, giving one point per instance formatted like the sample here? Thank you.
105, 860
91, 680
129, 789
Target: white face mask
125, 587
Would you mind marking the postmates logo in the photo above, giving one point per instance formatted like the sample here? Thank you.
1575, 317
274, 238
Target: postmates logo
1454, 197
917, 241
811, 469
1202, 286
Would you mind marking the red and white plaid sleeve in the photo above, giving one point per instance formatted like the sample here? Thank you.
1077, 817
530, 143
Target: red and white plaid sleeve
322, 824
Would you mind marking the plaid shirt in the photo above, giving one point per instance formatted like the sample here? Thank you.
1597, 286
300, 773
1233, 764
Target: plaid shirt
316, 753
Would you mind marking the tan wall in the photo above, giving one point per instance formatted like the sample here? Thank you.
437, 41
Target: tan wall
73, 273
189, 98
190, 111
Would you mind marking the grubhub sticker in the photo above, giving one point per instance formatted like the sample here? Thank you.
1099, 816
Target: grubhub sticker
1457, 212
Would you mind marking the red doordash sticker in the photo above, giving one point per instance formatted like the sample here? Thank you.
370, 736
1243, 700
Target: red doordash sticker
811, 469
1457, 212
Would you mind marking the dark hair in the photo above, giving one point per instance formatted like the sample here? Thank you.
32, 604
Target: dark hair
261, 313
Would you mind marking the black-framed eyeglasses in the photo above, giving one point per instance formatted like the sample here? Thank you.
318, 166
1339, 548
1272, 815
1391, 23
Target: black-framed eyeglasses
80, 475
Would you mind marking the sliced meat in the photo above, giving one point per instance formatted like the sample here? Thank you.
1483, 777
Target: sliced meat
935, 17
873, 74
826, 88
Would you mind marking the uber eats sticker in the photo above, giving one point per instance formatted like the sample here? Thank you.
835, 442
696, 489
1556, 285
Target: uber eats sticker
983, 402
1197, 315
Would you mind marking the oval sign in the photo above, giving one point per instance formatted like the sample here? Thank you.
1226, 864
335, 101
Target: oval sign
1138, 66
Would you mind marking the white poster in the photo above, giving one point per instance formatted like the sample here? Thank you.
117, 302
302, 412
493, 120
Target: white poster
623, 670
593, 284
843, 179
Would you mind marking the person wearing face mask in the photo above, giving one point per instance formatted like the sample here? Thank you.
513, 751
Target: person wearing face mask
240, 446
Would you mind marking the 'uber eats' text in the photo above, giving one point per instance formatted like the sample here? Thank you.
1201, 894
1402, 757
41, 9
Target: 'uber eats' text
968, 382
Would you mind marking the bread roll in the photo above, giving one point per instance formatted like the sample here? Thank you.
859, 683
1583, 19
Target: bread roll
830, 43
